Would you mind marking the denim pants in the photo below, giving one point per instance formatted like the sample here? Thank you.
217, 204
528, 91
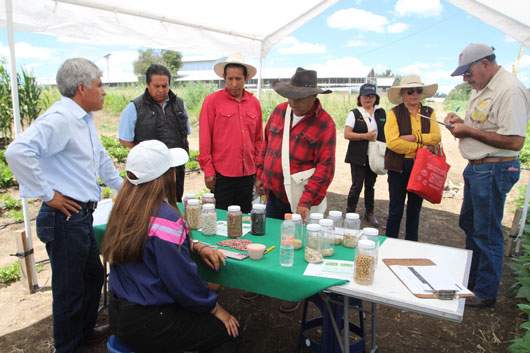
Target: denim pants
276, 208
234, 191
485, 189
77, 275
397, 188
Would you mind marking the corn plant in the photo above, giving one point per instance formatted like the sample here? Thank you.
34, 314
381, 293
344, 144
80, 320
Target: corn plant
29, 94
6, 108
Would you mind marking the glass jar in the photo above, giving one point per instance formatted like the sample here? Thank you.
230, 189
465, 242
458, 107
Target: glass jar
298, 231
257, 218
364, 264
314, 218
373, 235
336, 217
313, 242
193, 214
185, 199
352, 230
207, 198
328, 237
209, 219
234, 219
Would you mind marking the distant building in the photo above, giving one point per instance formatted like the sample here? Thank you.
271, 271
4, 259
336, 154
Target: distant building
384, 83
201, 69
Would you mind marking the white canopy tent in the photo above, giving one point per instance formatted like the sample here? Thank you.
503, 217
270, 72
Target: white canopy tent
199, 27
513, 18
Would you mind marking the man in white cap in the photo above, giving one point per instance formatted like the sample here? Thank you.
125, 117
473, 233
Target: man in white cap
491, 136
230, 136
59, 159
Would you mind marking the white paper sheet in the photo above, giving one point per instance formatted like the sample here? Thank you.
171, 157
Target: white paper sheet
102, 212
436, 277
338, 269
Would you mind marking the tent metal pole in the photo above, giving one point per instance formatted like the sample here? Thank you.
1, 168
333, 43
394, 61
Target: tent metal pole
18, 130
260, 70
523, 220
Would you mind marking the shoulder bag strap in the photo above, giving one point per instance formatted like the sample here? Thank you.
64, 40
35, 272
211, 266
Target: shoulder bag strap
286, 168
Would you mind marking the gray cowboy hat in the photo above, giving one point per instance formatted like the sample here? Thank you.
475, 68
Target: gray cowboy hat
235, 58
302, 84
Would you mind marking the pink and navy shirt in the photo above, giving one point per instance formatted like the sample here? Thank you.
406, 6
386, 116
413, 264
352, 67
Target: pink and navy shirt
166, 274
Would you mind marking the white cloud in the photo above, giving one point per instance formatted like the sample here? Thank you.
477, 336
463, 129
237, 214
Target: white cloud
356, 43
397, 27
357, 19
342, 67
422, 8
509, 39
291, 45
120, 66
524, 62
24, 50
432, 73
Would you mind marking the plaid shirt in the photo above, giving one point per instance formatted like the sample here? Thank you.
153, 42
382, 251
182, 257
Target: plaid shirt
311, 145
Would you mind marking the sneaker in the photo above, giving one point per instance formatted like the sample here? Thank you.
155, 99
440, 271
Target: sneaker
288, 307
249, 295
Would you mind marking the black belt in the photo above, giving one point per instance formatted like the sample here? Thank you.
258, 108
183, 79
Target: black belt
90, 205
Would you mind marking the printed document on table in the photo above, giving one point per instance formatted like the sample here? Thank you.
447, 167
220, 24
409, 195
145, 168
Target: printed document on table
433, 276
338, 269
222, 230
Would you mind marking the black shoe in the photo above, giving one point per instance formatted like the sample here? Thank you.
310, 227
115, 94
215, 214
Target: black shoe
249, 295
370, 217
288, 307
98, 334
479, 303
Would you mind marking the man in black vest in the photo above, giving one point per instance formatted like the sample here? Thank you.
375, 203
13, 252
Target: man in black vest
158, 114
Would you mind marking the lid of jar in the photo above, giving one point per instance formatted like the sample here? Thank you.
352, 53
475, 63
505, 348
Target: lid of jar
295, 216
326, 222
288, 216
193, 202
316, 216
208, 195
234, 208
366, 244
189, 196
314, 227
352, 215
370, 231
335, 213
258, 206
208, 206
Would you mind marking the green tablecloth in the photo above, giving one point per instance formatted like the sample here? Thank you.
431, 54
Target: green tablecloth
265, 276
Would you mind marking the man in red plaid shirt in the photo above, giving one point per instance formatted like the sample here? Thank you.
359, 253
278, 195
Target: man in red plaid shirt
311, 145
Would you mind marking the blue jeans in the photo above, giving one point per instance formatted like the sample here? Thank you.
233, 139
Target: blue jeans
276, 208
397, 188
486, 186
77, 275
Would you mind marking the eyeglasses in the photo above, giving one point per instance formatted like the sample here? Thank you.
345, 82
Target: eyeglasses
469, 72
411, 91
369, 96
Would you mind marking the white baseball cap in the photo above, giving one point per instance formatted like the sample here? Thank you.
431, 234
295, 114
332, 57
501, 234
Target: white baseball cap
473, 52
150, 159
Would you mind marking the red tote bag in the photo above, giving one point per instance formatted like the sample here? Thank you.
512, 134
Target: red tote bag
428, 175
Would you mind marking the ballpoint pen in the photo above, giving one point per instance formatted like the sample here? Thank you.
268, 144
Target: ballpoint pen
269, 249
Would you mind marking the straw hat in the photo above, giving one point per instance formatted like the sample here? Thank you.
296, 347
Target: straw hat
235, 58
410, 81
302, 84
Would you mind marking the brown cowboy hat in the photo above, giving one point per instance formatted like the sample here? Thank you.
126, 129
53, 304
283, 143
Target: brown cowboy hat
302, 84
410, 81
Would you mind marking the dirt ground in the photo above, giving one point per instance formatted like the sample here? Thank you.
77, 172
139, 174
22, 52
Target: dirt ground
26, 323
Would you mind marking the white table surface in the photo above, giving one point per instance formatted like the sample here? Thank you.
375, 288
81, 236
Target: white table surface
387, 289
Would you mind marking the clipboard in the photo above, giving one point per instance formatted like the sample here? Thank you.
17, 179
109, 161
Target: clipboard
416, 262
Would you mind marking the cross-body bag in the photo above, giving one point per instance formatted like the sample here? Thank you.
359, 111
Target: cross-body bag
376, 151
295, 183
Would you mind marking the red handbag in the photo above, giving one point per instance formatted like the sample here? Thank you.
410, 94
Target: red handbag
428, 175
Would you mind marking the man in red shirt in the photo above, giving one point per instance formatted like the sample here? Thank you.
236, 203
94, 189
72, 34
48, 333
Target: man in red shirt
311, 145
230, 136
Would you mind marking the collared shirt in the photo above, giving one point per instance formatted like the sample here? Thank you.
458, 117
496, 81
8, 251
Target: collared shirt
62, 151
502, 106
312, 144
230, 134
128, 119
350, 119
407, 148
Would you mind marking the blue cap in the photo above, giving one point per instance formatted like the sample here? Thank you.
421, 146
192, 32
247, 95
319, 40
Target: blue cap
367, 89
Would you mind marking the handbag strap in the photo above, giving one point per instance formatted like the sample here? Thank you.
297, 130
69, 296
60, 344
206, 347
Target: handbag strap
286, 167
367, 121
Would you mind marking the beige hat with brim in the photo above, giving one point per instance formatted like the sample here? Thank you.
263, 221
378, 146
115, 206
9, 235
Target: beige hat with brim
235, 58
410, 81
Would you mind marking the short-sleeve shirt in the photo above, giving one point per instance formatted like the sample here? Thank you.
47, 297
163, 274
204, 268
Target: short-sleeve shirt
350, 120
502, 106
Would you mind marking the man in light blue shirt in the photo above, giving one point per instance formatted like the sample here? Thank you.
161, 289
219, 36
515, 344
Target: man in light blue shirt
59, 159
158, 114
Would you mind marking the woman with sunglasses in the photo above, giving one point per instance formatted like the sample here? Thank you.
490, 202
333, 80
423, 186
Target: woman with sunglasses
406, 131
363, 124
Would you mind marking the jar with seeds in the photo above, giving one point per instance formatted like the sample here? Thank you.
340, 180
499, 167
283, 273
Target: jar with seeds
298, 231
193, 214
185, 200
234, 220
313, 241
328, 237
257, 219
209, 219
364, 264
208, 198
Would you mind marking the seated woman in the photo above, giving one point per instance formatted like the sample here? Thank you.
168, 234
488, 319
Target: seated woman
406, 131
158, 302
